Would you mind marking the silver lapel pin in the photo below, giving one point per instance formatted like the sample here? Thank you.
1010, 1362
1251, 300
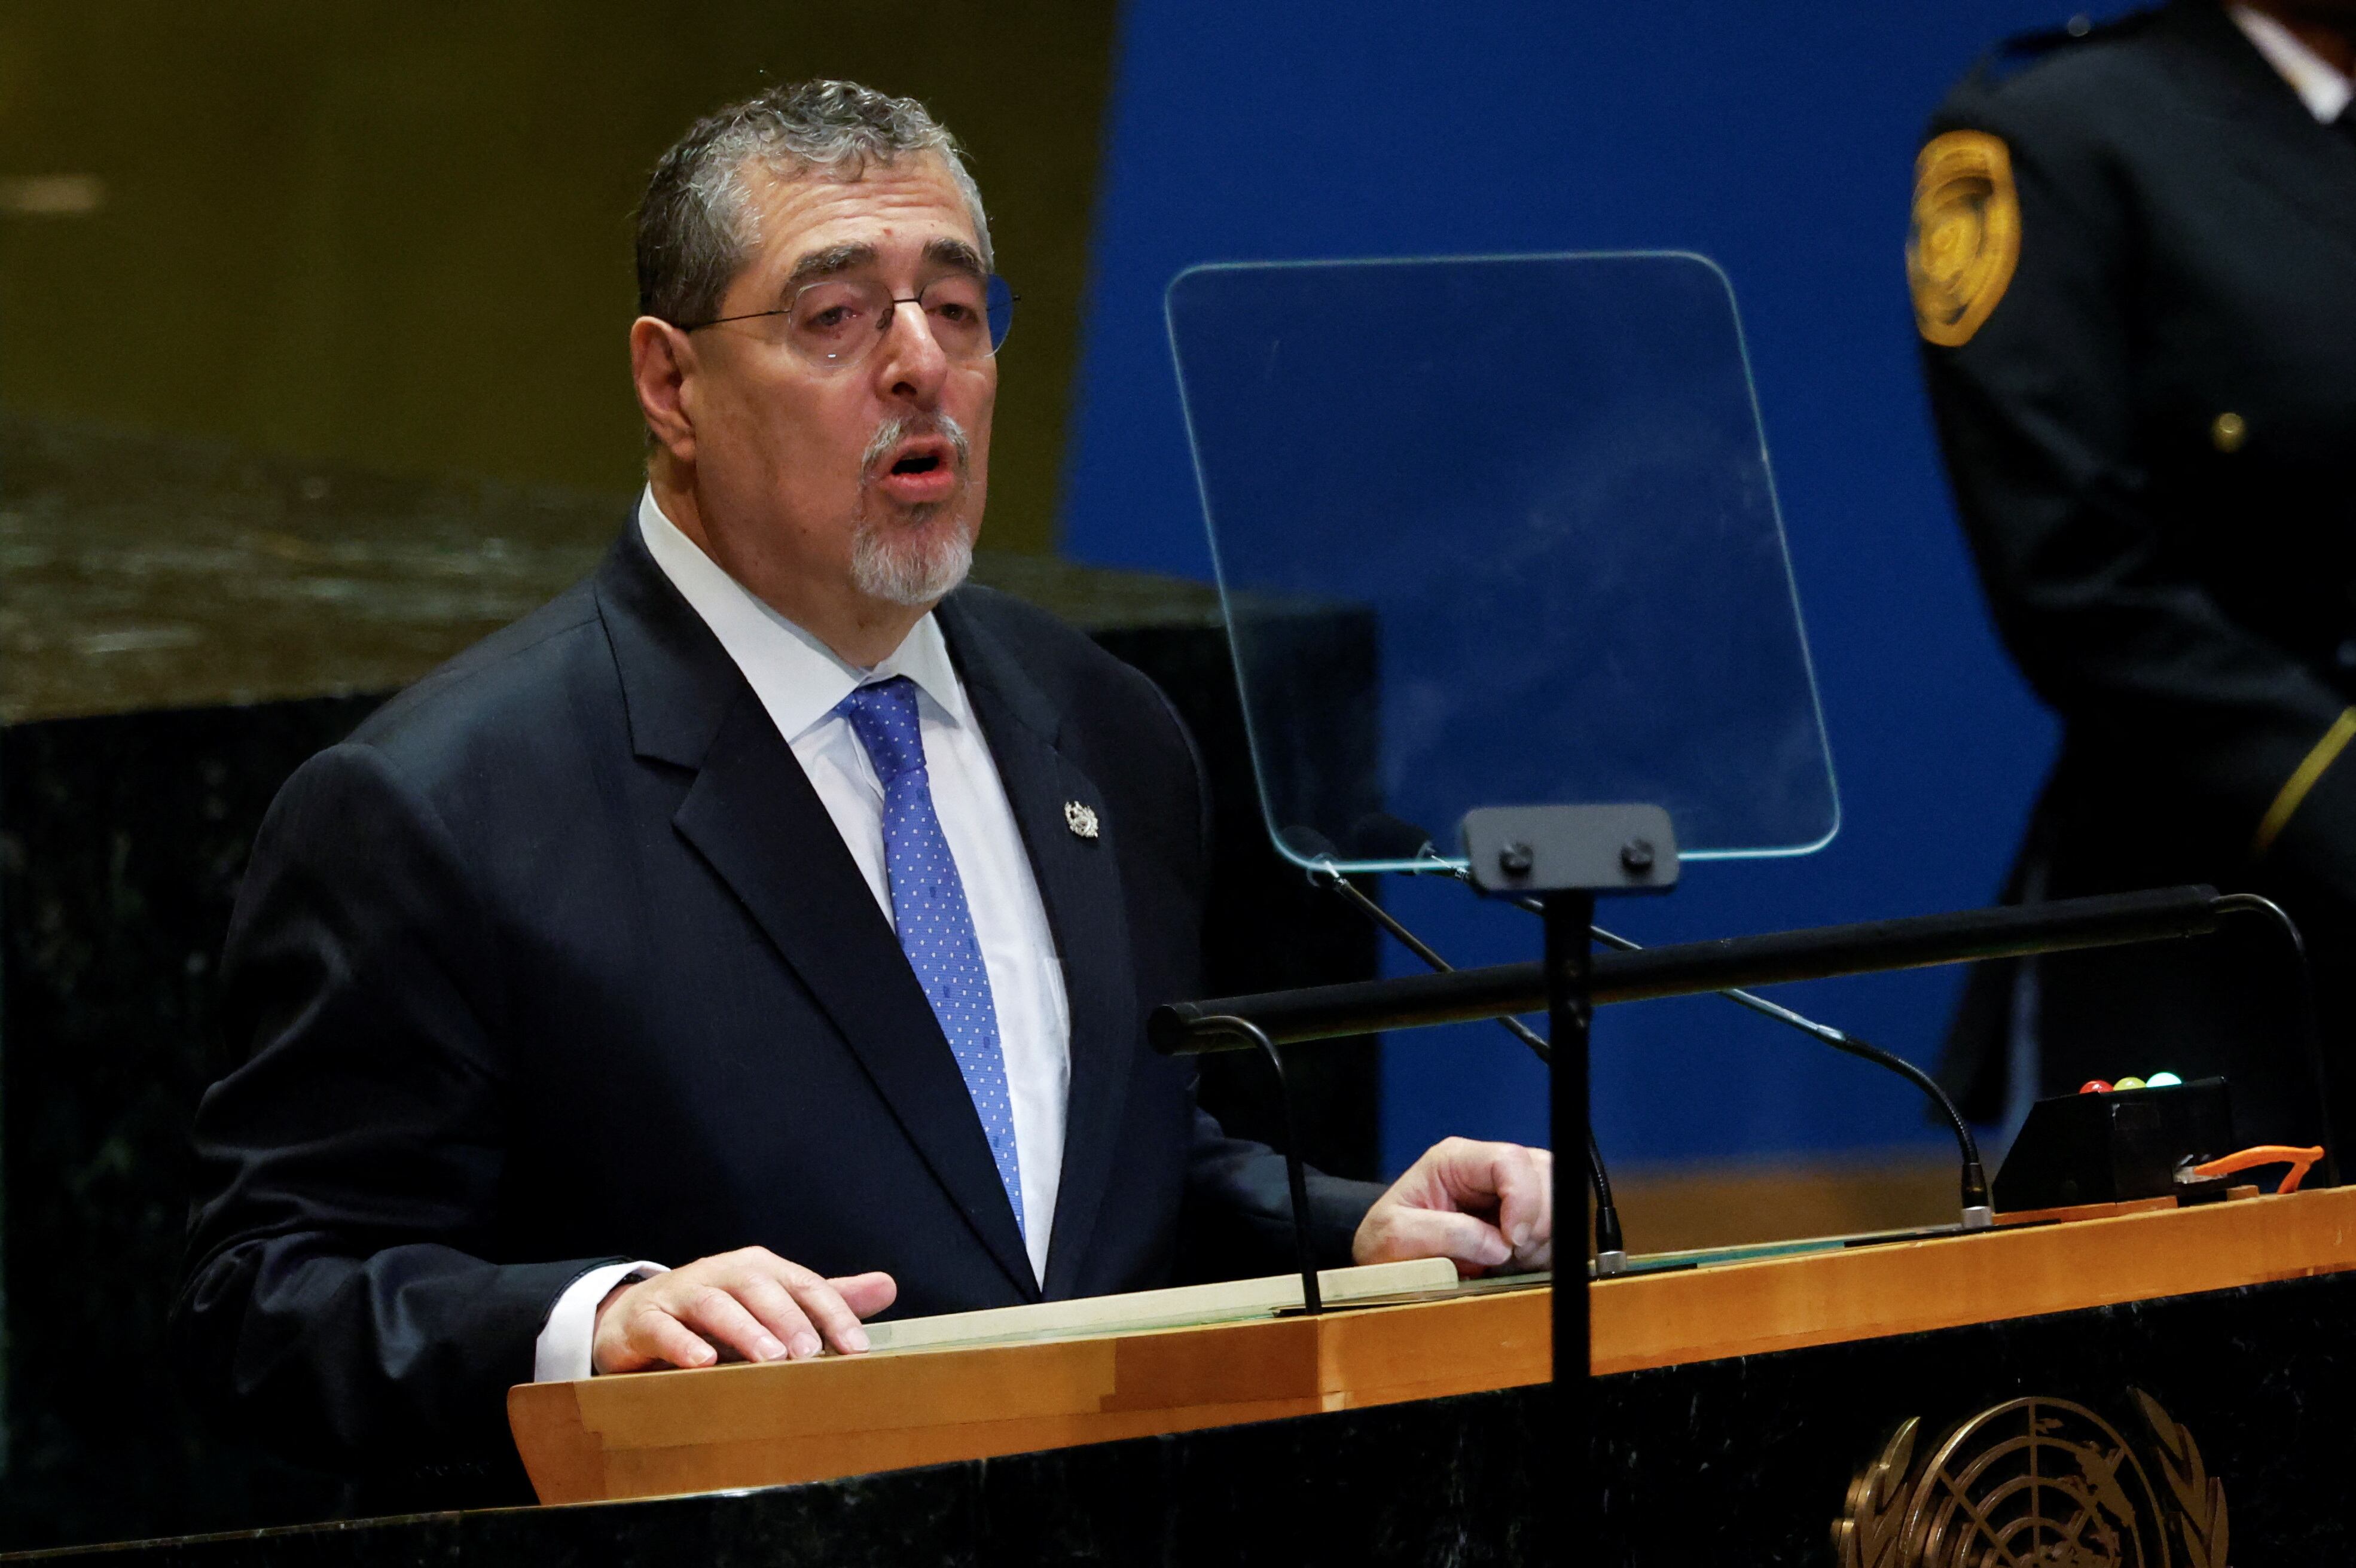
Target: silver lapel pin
1081, 819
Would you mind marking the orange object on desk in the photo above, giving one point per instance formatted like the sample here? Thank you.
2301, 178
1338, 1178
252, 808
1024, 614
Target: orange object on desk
2297, 1159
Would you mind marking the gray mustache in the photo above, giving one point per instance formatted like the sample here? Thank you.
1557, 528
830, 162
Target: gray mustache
901, 427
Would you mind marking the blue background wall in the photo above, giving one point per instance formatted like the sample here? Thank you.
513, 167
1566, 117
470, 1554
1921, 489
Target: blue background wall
1777, 139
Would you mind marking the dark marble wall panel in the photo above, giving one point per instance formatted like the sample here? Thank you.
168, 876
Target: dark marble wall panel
122, 839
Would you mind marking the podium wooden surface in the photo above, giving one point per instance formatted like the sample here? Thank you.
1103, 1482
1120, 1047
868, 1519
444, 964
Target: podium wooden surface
748, 1426
745, 1425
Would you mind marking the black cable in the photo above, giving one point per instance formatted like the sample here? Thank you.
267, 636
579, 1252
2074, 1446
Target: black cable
2311, 1015
1384, 837
1305, 1254
1974, 1182
1608, 1235
1611, 1245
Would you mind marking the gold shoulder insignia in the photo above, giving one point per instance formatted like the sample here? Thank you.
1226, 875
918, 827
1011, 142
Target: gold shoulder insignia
1965, 234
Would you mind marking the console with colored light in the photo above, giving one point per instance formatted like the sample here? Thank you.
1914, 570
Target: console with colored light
2135, 1139
2114, 1142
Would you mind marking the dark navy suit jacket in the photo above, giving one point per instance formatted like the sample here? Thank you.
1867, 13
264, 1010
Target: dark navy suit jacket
559, 959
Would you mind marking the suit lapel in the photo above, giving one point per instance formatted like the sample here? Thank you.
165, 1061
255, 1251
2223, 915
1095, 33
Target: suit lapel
1080, 882
752, 815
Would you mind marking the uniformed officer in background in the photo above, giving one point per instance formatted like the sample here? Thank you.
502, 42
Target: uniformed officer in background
2133, 258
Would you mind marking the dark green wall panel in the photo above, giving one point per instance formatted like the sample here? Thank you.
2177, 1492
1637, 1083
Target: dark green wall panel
400, 234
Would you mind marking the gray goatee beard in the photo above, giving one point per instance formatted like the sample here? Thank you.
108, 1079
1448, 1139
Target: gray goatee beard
908, 560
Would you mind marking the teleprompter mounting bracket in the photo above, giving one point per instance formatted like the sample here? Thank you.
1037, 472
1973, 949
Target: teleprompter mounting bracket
1559, 858
1570, 849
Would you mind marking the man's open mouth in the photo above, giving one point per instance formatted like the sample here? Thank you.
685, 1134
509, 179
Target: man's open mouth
918, 456
920, 471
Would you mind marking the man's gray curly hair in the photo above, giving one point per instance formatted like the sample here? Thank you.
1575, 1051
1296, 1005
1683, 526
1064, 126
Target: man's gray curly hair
696, 226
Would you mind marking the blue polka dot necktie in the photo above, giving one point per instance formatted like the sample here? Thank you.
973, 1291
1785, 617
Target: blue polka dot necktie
929, 907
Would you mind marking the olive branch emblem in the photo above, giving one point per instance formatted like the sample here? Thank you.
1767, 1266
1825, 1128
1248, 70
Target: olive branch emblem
2199, 1497
1868, 1533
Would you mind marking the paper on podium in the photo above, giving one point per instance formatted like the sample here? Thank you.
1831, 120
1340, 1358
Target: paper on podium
1182, 1306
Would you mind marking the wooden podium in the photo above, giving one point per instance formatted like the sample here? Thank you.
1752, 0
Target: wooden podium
745, 1425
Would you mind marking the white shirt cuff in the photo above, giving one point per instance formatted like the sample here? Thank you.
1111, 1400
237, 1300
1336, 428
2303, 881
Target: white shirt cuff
562, 1353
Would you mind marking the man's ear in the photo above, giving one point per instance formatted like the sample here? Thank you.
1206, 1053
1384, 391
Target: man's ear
661, 358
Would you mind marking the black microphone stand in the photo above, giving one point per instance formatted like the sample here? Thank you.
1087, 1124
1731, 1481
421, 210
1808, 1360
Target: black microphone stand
1562, 856
1381, 836
1611, 1245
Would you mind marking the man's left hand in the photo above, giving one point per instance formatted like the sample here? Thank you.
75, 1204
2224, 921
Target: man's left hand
1490, 1207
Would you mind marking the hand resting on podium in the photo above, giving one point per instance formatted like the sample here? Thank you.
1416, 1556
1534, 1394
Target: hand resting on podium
749, 1304
1486, 1207
1489, 1206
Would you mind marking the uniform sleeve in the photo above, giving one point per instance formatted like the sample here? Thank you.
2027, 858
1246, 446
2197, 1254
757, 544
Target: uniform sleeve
2032, 380
337, 1301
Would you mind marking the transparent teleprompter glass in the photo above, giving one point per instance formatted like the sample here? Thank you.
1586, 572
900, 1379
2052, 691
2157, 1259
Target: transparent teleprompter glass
1499, 530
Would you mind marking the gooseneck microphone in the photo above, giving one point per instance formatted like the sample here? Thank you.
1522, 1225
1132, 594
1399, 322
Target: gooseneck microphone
1610, 1247
1380, 836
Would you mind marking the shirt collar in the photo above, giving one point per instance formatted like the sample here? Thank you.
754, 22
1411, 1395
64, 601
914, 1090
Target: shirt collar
2318, 85
797, 678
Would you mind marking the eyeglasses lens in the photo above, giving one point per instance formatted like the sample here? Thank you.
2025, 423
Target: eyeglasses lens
839, 322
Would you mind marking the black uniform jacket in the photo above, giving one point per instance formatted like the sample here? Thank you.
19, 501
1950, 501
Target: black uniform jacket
2152, 439
560, 960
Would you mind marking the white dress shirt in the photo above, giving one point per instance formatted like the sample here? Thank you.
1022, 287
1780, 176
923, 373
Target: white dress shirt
2319, 85
799, 681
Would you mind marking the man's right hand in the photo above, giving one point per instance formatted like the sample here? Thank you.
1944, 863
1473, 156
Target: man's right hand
749, 1305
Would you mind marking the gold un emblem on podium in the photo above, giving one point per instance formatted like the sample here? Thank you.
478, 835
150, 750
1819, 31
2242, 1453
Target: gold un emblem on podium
2037, 1481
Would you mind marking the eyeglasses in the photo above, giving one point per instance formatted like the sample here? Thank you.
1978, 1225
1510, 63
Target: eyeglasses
837, 323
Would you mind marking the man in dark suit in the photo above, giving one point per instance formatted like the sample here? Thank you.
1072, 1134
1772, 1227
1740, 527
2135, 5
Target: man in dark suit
2134, 268
768, 906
